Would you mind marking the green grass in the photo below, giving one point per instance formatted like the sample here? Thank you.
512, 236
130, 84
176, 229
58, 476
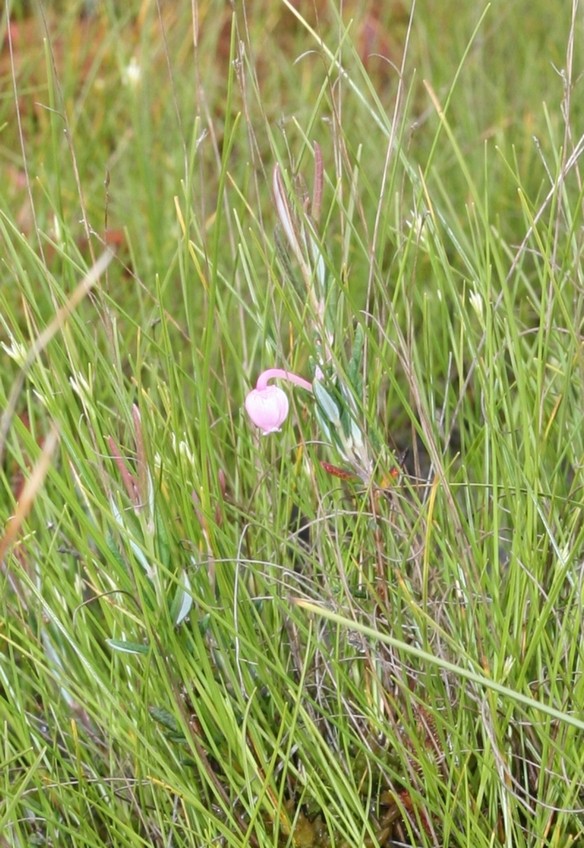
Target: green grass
208, 636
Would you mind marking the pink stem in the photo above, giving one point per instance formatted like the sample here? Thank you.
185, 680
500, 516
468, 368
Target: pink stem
280, 374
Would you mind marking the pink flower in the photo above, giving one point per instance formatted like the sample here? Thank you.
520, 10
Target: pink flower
268, 406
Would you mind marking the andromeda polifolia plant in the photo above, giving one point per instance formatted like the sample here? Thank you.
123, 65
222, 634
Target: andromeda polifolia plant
267, 405
336, 397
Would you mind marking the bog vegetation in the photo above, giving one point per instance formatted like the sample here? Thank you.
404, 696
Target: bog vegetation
291, 401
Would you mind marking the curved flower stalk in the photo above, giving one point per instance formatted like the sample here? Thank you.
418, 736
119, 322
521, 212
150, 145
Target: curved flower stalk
267, 405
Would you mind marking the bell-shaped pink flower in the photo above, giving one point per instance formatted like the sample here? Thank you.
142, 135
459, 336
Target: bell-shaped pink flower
267, 408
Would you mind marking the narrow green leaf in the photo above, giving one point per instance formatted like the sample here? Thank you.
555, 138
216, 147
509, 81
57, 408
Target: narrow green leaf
127, 647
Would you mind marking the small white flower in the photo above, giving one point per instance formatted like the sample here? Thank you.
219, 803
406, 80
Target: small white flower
132, 73
182, 448
15, 350
476, 301
420, 225
81, 386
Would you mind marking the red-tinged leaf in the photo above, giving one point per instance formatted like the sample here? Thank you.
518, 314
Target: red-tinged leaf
337, 472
